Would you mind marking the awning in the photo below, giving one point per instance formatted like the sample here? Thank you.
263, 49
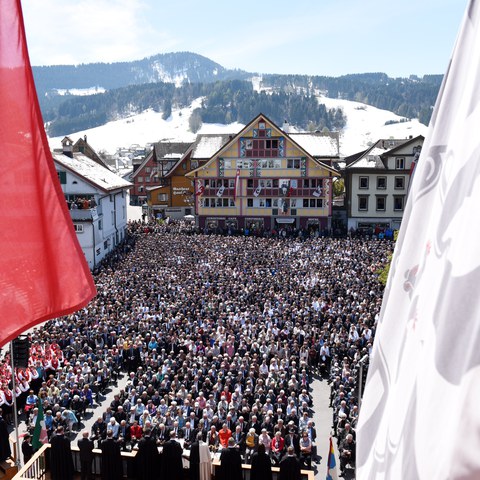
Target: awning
284, 220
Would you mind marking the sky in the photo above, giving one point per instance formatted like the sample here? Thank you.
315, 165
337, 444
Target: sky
308, 37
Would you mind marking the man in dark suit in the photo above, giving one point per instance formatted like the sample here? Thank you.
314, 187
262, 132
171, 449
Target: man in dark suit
147, 457
61, 461
112, 465
290, 468
85, 446
171, 463
188, 435
230, 462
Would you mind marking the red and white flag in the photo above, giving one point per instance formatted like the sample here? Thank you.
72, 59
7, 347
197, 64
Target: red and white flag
237, 184
419, 417
200, 188
43, 271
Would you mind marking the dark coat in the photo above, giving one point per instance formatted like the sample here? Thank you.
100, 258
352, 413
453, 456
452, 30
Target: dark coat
61, 461
230, 464
261, 467
112, 465
194, 461
147, 459
290, 469
5, 450
171, 463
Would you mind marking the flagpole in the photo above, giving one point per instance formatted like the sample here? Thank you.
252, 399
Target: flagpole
15, 417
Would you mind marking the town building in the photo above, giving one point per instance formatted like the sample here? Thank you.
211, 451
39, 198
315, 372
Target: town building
153, 170
377, 181
174, 197
97, 200
264, 179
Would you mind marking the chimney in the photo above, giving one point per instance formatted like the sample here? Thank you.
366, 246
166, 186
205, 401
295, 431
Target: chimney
85, 138
286, 126
67, 147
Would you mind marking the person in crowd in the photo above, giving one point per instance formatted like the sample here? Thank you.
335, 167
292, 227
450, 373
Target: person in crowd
112, 465
290, 468
85, 445
230, 463
27, 449
147, 458
261, 465
61, 460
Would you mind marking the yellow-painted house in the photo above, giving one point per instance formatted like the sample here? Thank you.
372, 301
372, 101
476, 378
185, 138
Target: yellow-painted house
263, 178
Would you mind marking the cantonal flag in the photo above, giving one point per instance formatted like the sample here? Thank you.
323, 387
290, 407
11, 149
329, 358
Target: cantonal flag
43, 272
419, 417
331, 463
40, 435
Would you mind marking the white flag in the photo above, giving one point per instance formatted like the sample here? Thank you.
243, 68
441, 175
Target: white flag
220, 191
257, 191
318, 191
420, 416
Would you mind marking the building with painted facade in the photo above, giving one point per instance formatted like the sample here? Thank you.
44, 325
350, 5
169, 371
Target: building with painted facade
264, 179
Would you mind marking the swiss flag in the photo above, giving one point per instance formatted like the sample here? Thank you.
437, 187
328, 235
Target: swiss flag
43, 272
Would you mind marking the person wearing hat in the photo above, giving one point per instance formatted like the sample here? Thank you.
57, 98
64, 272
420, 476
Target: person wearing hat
27, 449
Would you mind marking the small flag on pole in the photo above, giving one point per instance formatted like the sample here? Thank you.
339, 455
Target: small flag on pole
331, 463
40, 436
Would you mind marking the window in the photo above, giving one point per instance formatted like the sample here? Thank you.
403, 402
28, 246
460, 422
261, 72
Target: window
399, 183
293, 163
250, 202
163, 197
275, 183
250, 183
319, 202
148, 170
381, 203
398, 201
363, 182
147, 179
140, 179
62, 176
381, 183
363, 202
400, 163
193, 164
305, 203
100, 225
78, 227
231, 183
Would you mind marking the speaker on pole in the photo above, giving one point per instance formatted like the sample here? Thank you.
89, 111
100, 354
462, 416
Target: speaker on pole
21, 352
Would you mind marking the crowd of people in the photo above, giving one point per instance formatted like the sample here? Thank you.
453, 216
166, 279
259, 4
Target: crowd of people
220, 336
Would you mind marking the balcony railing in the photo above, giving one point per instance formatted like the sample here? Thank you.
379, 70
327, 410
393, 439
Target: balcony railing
36, 467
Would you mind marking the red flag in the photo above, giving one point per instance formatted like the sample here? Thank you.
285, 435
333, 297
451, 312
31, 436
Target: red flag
43, 272
237, 182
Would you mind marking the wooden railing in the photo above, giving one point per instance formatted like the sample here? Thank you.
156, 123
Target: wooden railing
36, 467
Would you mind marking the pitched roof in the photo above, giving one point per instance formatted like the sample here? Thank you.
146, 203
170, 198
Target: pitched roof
208, 144
91, 171
317, 144
372, 157
170, 149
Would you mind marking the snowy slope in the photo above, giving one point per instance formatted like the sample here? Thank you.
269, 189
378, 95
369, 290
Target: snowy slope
365, 125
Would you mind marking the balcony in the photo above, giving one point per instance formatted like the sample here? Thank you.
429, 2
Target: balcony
86, 215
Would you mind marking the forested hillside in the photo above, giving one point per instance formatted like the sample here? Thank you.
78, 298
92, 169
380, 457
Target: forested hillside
174, 80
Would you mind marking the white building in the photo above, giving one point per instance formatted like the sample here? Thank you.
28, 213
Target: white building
376, 183
97, 200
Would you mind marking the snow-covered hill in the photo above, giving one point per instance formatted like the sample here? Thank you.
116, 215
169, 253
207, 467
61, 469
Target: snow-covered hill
365, 125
